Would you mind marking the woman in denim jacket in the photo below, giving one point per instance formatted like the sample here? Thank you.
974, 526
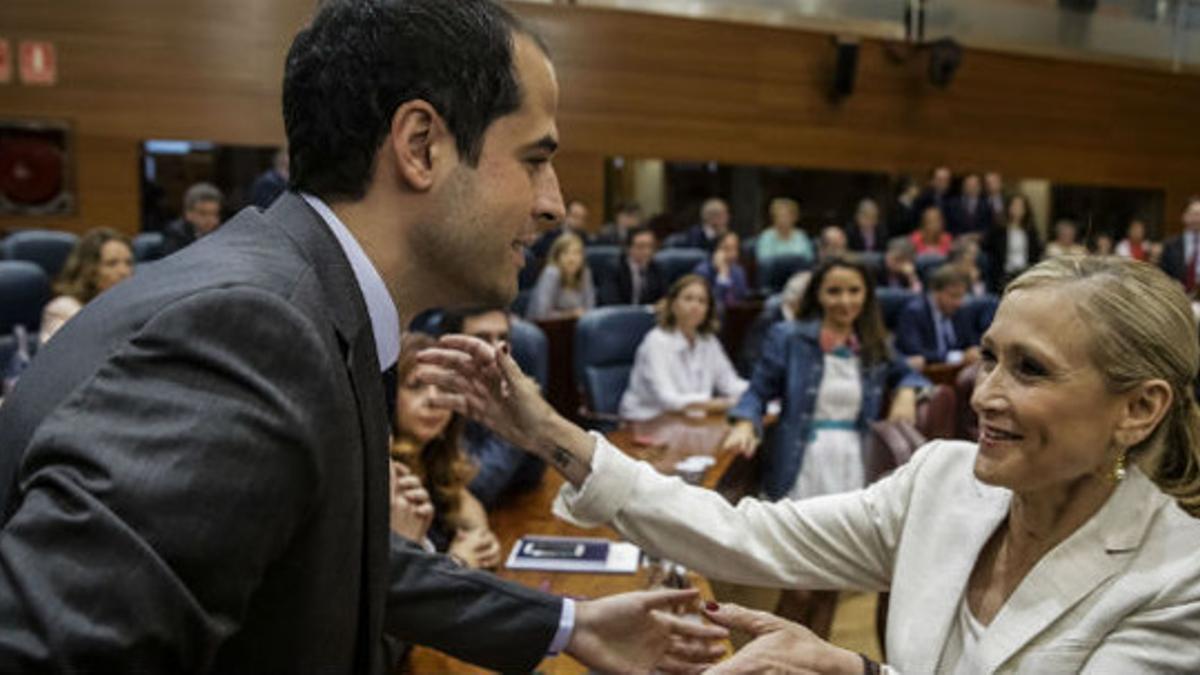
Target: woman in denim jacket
831, 368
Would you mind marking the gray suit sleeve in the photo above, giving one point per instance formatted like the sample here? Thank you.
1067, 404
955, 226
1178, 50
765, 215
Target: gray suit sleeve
152, 500
471, 615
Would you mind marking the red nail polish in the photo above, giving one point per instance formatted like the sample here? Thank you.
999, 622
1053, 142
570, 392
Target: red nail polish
712, 606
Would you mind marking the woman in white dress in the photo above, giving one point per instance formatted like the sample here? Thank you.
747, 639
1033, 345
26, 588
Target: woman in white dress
830, 368
680, 365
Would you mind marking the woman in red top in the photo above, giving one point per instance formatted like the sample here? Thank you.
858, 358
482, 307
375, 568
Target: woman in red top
1135, 245
932, 237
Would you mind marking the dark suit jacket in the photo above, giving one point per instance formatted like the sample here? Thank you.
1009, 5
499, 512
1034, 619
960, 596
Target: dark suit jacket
856, 242
193, 478
995, 245
177, 234
1172, 261
915, 332
964, 219
617, 288
694, 237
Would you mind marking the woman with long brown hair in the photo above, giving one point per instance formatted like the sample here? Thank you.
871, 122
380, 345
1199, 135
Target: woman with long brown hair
428, 445
831, 368
102, 259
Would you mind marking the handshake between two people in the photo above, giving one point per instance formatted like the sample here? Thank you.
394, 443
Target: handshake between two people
630, 632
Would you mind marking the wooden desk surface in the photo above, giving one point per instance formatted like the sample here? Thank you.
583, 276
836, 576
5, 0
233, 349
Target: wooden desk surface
662, 442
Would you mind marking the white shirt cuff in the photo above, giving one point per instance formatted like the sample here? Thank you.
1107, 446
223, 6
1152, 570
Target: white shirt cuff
566, 626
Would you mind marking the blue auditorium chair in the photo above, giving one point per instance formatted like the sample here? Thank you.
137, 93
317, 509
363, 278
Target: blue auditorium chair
148, 246
676, 240
891, 304
927, 263
24, 292
46, 248
606, 341
774, 272
428, 322
676, 262
530, 349
603, 261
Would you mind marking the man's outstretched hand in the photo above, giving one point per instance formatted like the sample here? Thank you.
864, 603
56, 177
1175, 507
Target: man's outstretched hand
639, 633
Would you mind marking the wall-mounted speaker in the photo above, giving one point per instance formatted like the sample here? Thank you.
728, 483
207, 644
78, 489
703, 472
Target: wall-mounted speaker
945, 56
845, 68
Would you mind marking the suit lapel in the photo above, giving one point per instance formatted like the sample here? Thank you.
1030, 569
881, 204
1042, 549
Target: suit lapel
363, 366
1072, 570
977, 517
343, 300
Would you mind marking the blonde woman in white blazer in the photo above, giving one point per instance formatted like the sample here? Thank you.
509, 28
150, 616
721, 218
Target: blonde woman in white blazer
1065, 541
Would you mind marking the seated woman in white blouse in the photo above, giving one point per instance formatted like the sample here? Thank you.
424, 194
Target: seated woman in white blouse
680, 365
1063, 541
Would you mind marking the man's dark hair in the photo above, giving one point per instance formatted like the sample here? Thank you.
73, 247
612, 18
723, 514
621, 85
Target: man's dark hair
359, 60
453, 319
635, 232
630, 208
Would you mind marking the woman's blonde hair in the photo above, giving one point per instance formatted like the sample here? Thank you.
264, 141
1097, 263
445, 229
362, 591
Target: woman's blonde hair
1142, 329
559, 247
78, 276
780, 203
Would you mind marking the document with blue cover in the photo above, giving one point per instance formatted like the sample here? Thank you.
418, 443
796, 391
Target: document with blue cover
574, 554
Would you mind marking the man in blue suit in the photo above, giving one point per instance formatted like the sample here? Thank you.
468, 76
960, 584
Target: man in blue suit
932, 329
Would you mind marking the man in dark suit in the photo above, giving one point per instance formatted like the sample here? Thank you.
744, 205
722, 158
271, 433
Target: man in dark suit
194, 476
932, 329
616, 233
866, 233
936, 193
1181, 254
271, 183
714, 223
201, 215
970, 212
638, 279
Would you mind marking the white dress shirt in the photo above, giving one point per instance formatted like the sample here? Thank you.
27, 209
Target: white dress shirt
385, 324
669, 373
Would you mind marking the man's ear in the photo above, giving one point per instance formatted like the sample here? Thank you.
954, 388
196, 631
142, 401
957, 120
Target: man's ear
1145, 406
412, 141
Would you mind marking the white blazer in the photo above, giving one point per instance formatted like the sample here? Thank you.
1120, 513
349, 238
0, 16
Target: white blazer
1120, 595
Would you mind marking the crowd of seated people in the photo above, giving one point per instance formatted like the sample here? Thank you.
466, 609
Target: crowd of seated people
823, 352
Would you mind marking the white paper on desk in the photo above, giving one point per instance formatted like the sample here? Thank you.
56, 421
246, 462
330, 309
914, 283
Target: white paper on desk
618, 557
